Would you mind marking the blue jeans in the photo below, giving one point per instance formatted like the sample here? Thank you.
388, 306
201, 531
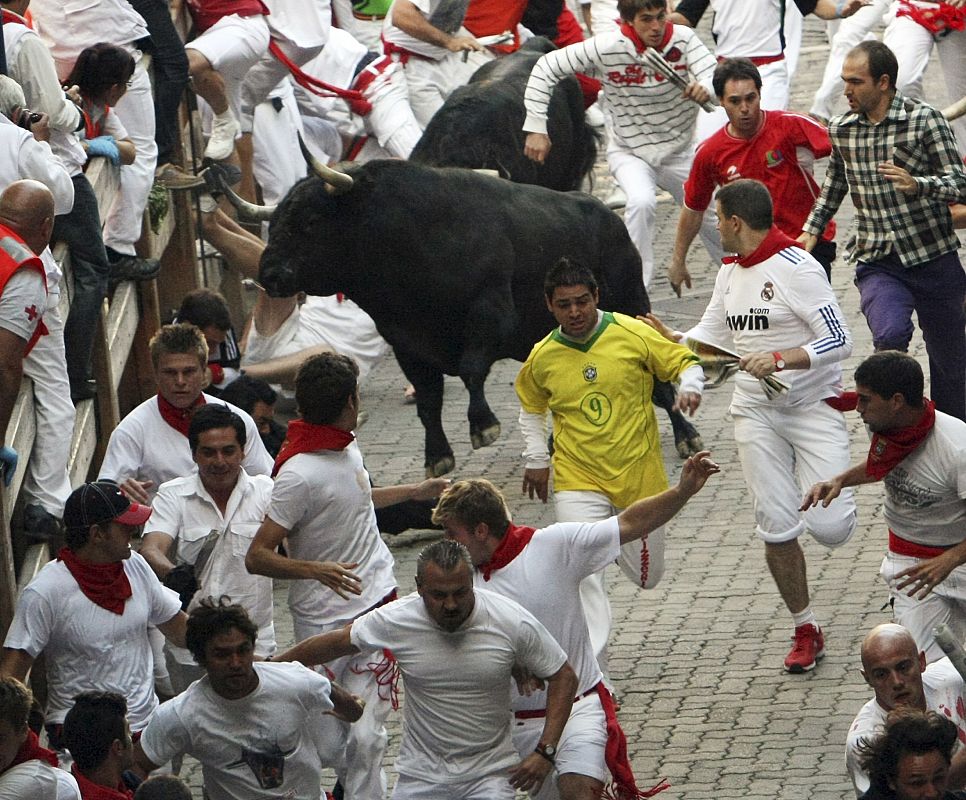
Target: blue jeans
80, 230
170, 65
935, 290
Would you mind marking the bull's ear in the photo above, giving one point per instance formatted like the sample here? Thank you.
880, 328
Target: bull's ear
335, 182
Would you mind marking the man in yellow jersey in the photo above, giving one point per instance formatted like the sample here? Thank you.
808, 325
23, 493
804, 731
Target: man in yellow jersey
595, 373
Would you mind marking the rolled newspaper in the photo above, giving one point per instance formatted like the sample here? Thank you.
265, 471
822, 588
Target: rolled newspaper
721, 363
951, 647
653, 59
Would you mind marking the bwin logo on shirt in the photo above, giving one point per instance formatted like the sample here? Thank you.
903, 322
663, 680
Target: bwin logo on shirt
590, 373
748, 322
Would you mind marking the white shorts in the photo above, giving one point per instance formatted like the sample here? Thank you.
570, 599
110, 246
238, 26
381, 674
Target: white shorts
778, 445
233, 44
581, 747
946, 603
492, 787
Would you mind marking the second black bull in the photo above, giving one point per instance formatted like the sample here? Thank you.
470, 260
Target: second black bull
449, 264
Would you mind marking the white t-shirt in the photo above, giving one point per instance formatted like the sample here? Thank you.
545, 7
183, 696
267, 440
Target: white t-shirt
22, 156
184, 511
926, 492
338, 324
324, 500
145, 447
456, 719
305, 24
943, 688
69, 27
23, 303
748, 28
259, 747
37, 780
779, 304
545, 579
446, 15
88, 647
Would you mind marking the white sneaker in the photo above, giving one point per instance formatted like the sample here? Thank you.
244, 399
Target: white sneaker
224, 129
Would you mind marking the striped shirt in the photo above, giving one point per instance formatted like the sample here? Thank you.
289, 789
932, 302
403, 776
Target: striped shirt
645, 111
917, 138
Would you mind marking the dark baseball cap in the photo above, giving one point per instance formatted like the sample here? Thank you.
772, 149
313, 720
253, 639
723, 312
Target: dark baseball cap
99, 502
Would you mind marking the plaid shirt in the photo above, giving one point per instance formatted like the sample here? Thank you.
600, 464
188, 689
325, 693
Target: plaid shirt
917, 138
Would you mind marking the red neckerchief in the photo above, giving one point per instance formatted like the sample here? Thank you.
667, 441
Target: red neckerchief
774, 242
179, 418
847, 401
623, 786
93, 129
628, 30
106, 585
511, 545
31, 750
10, 16
306, 437
94, 791
888, 449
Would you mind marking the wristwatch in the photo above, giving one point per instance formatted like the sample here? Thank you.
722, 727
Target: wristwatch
779, 362
548, 751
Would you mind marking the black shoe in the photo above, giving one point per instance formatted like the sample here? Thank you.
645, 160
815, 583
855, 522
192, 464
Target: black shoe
39, 525
84, 390
131, 268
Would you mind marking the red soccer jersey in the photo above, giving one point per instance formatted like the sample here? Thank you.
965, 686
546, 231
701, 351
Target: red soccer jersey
770, 156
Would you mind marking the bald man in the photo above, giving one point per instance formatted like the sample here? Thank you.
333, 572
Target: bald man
896, 670
26, 221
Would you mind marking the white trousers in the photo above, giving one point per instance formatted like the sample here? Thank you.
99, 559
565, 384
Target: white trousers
849, 33
783, 452
46, 482
641, 561
278, 163
431, 81
580, 750
490, 787
135, 110
640, 181
392, 121
359, 764
233, 45
945, 604
262, 79
912, 45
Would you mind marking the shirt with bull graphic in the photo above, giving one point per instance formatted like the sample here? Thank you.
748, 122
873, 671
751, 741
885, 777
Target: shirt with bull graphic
780, 303
268, 745
925, 493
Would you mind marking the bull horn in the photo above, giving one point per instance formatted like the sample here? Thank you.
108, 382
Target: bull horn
338, 181
248, 212
956, 110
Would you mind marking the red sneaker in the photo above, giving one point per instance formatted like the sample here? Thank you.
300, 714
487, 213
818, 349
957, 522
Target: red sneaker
808, 648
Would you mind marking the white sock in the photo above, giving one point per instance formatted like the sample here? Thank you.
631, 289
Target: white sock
208, 203
805, 617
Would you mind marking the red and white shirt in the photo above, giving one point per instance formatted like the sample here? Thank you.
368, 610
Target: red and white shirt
780, 155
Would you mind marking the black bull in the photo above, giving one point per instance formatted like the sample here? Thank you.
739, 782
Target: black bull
480, 126
450, 266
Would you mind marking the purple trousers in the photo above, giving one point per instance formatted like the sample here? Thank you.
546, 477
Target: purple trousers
936, 291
